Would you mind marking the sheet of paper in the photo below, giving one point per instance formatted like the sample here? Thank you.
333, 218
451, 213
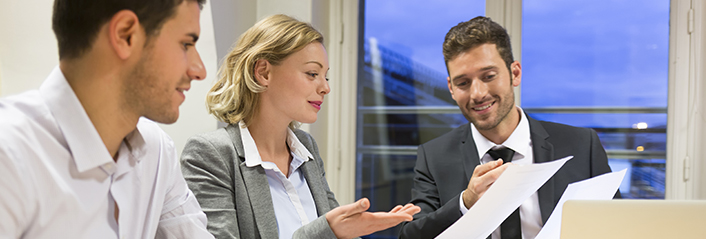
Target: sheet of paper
513, 187
601, 187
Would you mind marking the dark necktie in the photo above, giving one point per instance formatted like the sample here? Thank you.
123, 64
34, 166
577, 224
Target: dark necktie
511, 227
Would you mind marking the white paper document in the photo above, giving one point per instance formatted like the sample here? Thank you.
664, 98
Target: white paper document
513, 187
601, 187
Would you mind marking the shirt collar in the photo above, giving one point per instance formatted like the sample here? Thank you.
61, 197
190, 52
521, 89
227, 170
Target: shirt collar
252, 155
84, 142
519, 140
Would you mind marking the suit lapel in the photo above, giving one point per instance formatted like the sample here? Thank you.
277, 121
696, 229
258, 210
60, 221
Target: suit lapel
468, 150
257, 188
543, 151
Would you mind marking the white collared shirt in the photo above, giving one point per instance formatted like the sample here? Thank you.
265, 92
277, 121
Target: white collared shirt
291, 198
58, 180
521, 142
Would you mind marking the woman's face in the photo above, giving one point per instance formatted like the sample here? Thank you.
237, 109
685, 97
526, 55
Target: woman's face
297, 86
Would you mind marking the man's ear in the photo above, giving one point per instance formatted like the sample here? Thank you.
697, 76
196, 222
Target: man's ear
516, 71
262, 72
448, 82
125, 33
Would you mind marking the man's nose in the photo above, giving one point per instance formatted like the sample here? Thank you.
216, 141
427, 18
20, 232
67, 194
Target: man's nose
479, 90
196, 70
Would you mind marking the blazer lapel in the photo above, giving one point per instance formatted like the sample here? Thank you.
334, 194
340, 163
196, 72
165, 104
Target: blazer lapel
468, 150
257, 188
543, 152
311, 175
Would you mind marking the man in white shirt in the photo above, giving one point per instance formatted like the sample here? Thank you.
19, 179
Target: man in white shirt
77, 158
454, 170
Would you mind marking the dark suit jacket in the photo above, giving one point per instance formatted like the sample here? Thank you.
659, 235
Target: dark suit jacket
236, 198
445, 165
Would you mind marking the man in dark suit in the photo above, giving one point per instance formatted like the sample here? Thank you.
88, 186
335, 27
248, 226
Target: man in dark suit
453, 171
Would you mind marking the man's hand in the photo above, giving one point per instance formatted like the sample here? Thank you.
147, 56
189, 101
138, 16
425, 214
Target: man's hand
483, 176
353, 220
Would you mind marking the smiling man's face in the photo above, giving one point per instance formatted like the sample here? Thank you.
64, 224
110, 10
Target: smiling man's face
482, 86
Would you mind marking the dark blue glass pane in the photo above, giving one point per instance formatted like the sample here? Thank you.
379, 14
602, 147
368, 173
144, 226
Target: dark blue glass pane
386, 181
609, 53
595, 53
407, 129
416, 28
403, 64
644, 177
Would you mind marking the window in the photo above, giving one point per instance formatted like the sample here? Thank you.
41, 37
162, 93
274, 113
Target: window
605, 68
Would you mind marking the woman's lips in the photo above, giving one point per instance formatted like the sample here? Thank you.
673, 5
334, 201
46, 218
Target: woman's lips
316, 104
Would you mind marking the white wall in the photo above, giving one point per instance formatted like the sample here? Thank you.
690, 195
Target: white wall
28, 52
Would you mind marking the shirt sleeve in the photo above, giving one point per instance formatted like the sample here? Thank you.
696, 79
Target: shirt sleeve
14, 198
182, 216
461, 205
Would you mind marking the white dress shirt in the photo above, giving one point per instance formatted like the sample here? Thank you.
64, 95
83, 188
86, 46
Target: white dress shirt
291, 197
521, 142
58, 180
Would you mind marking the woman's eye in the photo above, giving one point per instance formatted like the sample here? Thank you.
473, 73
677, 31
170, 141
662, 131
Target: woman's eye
313, 74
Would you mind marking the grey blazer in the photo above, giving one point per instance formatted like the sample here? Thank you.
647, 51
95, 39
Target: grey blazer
236, 198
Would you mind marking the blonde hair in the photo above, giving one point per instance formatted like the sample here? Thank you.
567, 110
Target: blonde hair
235, 96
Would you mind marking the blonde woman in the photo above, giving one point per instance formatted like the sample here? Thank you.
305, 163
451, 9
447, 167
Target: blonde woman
260, 177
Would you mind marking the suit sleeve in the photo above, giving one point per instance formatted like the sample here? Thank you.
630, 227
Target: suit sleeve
209, 176
599, 159
434, 217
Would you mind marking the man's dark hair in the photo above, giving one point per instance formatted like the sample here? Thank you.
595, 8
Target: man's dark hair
476, 32
76, 22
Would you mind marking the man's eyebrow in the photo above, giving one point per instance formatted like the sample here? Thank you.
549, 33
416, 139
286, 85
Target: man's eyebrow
487, 68
315, 62
194, 36
458, 76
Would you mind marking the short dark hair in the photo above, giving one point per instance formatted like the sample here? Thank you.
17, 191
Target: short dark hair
76, 22
475, 32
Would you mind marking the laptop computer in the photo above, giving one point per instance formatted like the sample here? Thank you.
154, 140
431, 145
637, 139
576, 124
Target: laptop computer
645, 219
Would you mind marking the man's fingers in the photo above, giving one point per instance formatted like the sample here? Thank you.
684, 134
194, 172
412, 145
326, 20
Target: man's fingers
487, 179
482, 169
483, 177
